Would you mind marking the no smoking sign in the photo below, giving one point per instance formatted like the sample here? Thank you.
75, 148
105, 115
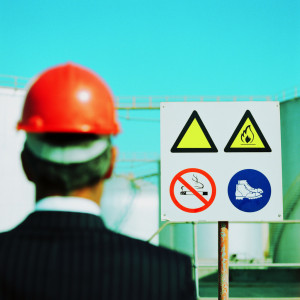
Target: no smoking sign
192, 190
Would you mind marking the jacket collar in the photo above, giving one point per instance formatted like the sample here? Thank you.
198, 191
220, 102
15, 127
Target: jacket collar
61, 220
67, 203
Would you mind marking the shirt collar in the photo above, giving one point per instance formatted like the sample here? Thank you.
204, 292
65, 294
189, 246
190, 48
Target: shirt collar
70, 204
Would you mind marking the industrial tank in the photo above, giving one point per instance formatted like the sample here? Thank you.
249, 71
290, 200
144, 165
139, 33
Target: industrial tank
285, 242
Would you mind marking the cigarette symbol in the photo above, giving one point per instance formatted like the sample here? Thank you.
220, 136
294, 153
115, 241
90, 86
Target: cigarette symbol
198, 186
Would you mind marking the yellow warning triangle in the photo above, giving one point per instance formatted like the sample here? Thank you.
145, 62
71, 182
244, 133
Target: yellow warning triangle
247, 137
194, 137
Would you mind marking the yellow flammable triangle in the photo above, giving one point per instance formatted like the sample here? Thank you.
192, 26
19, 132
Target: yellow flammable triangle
247, 137
194, 137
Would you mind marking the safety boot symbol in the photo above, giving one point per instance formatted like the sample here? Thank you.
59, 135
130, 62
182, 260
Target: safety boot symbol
250, 188
244, 190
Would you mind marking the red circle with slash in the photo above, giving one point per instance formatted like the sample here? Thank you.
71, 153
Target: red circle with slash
207, 203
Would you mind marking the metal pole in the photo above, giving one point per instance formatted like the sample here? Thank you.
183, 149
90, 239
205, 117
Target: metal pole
223, 267
196, 259
159, 208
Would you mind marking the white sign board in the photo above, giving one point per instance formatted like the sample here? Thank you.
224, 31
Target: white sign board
221, 161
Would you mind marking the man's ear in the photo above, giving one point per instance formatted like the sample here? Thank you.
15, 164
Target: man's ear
26, 168
112, 163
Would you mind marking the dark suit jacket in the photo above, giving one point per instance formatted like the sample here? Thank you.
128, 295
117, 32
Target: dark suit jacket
69, 256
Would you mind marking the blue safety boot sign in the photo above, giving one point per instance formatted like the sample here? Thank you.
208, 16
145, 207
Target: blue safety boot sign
249, 190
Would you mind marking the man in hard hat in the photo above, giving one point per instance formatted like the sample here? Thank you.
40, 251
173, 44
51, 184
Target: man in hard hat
63, 249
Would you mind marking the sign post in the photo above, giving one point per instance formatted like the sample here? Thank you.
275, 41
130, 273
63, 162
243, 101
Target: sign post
223, 264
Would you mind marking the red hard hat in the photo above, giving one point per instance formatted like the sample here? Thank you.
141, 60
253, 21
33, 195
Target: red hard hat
69, 99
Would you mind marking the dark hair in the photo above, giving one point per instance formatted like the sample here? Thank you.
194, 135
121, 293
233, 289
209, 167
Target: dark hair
66, 178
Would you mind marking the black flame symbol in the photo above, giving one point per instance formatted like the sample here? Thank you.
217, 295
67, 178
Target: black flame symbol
247, 136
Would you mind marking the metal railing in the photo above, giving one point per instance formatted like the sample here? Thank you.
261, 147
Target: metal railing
15, 82
239, 265
153, 102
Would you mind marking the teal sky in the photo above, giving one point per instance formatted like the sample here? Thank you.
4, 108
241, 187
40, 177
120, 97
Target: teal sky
159, 47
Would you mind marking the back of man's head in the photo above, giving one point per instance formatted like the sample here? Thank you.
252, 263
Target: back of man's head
68, 117
66, 162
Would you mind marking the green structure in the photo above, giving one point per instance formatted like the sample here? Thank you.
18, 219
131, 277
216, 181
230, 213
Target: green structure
285, 242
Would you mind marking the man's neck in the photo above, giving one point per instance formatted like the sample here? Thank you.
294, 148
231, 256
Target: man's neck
92, 193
